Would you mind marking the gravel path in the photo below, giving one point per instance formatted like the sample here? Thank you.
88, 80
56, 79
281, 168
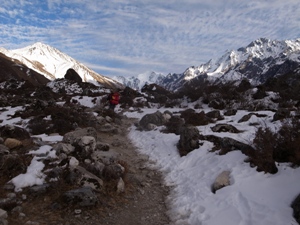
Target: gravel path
145, 199
143, 202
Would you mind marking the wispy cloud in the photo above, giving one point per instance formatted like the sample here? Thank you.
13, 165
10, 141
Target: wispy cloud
122, 37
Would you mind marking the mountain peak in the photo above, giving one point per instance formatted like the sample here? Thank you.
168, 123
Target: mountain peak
53, 64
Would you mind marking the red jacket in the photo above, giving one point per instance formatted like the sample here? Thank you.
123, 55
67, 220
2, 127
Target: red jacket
114, 98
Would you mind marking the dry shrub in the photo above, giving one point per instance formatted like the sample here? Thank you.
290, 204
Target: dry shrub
263, 156
174, 125
287, 148
63, 119
38, 125
13, 164
281, 146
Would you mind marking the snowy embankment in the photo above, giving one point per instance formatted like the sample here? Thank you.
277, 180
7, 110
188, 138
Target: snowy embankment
252, 198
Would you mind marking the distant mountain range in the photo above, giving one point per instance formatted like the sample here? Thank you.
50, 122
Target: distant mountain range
260, 60
53, 64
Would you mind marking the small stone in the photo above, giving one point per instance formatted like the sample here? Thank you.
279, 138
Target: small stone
120, 186
77, 211
3, 214
11, 195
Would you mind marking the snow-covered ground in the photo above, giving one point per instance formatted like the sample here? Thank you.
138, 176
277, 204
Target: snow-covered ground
253, 198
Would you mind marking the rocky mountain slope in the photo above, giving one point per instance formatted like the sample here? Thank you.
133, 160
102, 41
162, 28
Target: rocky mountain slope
260, 60
53, 64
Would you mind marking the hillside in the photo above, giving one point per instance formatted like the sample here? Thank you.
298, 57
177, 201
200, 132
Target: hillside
53, 64
260, 60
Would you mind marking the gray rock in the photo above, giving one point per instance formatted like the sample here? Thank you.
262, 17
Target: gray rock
114, 171
80, 197
3, 214
156, 118
39, 189
89, 179
102, 146
70, 137
222, 180
63, 148
120, 186
86, 143
71, 74
296, 208
11, 131
107, 157
224, 128
230, 112
227, 144
3, 150
189, 140
215, 114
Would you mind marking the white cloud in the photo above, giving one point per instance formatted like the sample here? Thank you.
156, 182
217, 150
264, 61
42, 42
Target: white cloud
137, 36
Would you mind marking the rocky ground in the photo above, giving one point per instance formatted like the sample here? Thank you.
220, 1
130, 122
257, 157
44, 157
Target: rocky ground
143, 201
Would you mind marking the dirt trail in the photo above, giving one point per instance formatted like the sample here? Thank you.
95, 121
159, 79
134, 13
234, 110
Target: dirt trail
145, 196
142, 203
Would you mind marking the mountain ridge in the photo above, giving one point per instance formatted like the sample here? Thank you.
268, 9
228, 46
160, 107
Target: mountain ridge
259, 60
53, 64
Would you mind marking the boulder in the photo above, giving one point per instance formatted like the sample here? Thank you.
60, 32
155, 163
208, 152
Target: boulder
72, 136
156, 118
114, 171
217, 104
227, 144
230, 112
86, 144
248, 116
71, 74
175, 124
3, 150
189, 140
224, 128
82, 197
281, 113
87, 179
215, 114
3, 217
296, 208
12, 143
222, 180
102, 146
10, 131
195, 119
63, 148
78, 175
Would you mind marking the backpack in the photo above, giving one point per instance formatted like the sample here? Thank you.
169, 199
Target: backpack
115, 97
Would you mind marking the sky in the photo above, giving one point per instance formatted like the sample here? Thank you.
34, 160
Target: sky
131, 37
252, 198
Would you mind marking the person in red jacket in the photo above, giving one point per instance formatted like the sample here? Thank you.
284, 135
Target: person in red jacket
113, 98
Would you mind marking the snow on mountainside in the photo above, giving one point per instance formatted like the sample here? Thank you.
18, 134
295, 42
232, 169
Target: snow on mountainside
53, 64
137, 82
260, 60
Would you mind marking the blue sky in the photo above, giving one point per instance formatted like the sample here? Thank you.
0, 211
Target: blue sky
130, 37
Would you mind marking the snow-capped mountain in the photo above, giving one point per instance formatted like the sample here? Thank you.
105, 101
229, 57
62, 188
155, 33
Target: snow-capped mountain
53, 64
260, 60
137, 82
257, 62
